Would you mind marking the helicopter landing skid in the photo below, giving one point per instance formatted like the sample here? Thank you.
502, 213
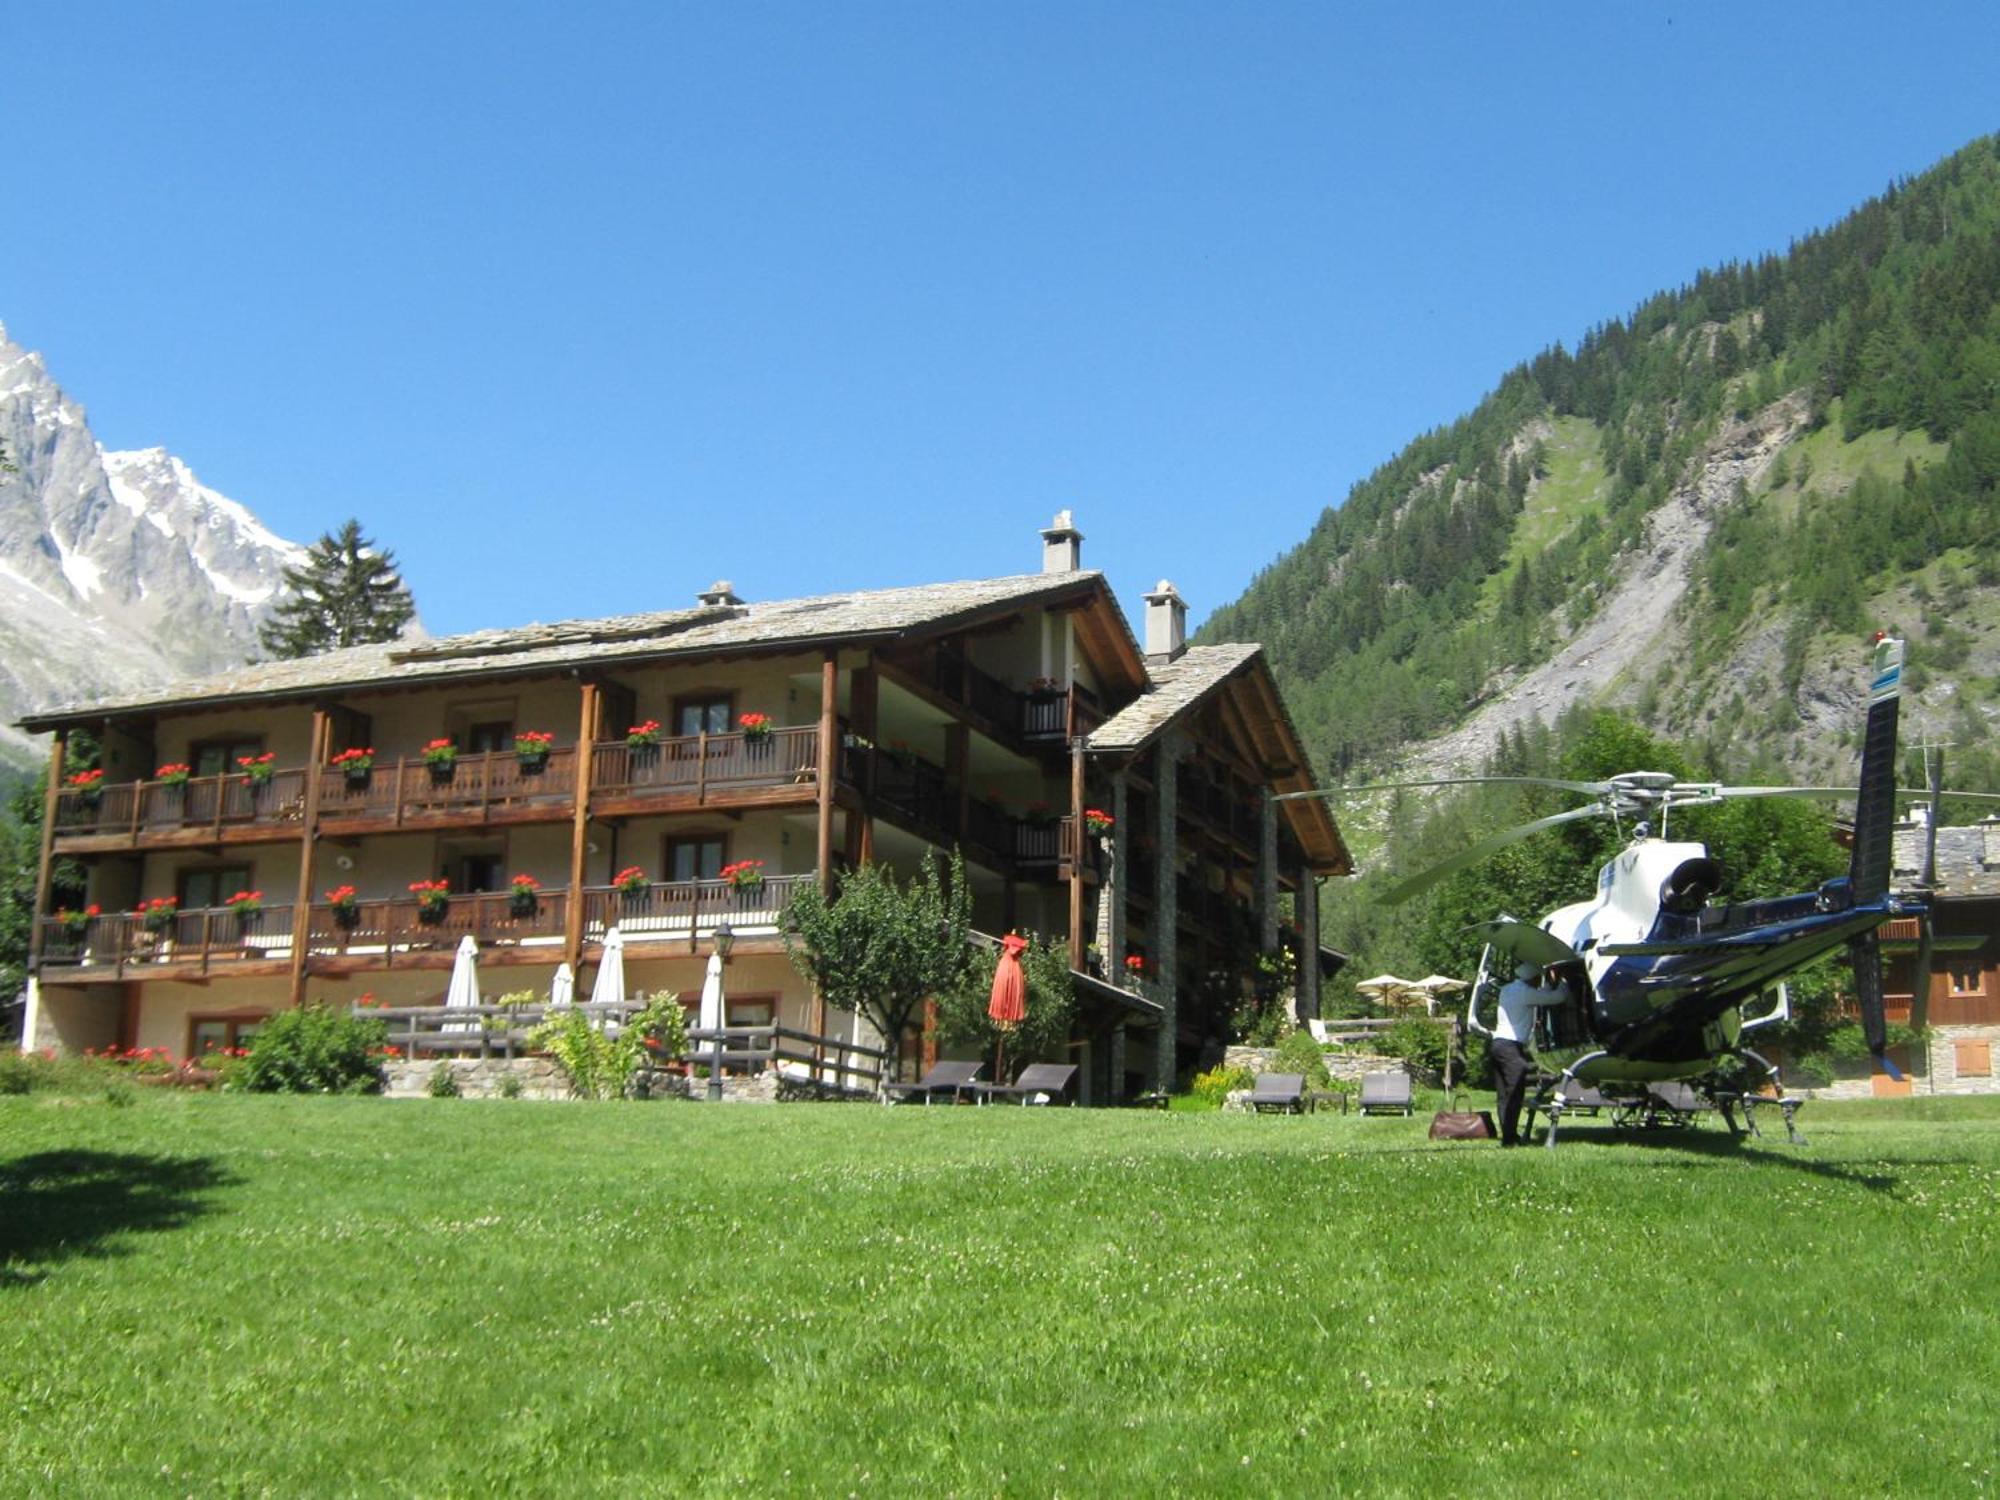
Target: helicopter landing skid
1753, 1102
1557, 1098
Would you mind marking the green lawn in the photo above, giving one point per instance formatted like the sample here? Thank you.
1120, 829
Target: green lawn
242, 1296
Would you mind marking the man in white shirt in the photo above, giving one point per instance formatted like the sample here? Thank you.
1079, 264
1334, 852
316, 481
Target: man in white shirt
1511, 1035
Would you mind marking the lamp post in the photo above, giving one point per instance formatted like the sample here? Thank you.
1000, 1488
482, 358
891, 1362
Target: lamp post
724, 939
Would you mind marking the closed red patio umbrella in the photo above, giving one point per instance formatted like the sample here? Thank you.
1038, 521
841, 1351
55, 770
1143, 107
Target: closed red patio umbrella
1009, 1003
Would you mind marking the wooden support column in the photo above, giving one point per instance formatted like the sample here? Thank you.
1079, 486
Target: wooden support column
829, 732
45, 870
322, 730
829, 735
587, 729
1308, 913
1078, 837
864, 706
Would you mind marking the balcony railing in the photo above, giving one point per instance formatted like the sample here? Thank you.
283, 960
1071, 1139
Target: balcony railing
397, 925
700, 764
686, 911
1034, 715
132, 808
407, 788
209, 938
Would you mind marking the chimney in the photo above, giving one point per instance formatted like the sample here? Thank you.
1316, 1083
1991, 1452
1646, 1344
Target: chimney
718, 593
1062, 546
1166, 624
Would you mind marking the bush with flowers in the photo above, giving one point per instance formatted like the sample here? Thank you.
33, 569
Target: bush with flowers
73, 924
433, 899
89, 785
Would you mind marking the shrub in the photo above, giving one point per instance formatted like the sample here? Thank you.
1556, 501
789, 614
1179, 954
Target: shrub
315, 1050
1420, 1043
443, 1083
600, 1067
1299, 1053
1214, 1087
510, 1085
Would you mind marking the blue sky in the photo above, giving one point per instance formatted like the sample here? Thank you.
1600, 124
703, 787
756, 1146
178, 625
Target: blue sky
580, 307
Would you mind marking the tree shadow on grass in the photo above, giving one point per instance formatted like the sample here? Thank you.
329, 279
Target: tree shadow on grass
55, 1205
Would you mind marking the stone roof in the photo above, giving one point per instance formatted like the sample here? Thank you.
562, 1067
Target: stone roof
1177, 686
1968, 859
703, 630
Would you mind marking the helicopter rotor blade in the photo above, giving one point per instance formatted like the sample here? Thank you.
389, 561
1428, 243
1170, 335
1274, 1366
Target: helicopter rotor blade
1473, 853
1583, 788
1865, 954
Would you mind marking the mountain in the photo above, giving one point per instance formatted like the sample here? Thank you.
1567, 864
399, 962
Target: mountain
116, 569
1698, 515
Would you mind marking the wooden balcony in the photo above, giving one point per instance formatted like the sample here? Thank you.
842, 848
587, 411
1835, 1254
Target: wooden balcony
705, 769
190, 944
494, 787
204, 810
687, 912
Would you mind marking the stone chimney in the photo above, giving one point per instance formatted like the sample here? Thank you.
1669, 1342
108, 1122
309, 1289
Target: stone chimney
1166, 624
720, 592
1062, 546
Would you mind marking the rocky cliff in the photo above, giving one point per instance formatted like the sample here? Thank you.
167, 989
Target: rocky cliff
116, 569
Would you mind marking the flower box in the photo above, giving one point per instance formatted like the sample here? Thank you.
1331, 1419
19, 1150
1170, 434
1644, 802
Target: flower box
258, 769
354, 765
524, 896
346, 909
88, 785
157, 915
531, 748
644, 736
1097, 821
174, 773
631, 883
756, 728
433, 900
73, 924
246, 905
441, 756
745, 874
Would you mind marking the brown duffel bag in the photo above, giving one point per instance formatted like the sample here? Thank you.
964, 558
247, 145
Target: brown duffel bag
1462, 1124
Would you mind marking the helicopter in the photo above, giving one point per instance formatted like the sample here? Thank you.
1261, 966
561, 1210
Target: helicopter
1656, 980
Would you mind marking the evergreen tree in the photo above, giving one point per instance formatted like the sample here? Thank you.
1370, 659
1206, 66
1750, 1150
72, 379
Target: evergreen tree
346, 593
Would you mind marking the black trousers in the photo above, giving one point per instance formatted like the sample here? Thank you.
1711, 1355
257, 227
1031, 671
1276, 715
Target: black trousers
1511, 1066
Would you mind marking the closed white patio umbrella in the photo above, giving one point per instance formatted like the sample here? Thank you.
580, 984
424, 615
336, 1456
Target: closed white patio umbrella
562, 991
463, 991
609, 987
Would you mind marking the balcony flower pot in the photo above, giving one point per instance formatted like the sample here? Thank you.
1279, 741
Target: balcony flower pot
441, 756
531, 750
524, 896
175, 774
346, 909
157, 915
744, 875
355, 765
433, 900
757, 732
248, 907
88, 786
632, 885
1097, 822
258, 769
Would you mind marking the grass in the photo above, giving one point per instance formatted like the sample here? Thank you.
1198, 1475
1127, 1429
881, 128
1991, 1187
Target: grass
235, 1295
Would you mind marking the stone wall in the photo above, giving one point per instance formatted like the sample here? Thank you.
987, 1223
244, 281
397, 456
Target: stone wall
541, 1078
1347, 1066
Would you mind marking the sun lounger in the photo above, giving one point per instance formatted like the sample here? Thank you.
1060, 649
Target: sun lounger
1280, 1091
1038, 1083
950, 1081
1386, 1092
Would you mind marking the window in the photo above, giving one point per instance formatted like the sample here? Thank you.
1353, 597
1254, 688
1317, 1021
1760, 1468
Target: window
220, 1033
701, 715
698, 856
1967, 979
480, 872
217, 757
494, 734
1974, 1059
211, 886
